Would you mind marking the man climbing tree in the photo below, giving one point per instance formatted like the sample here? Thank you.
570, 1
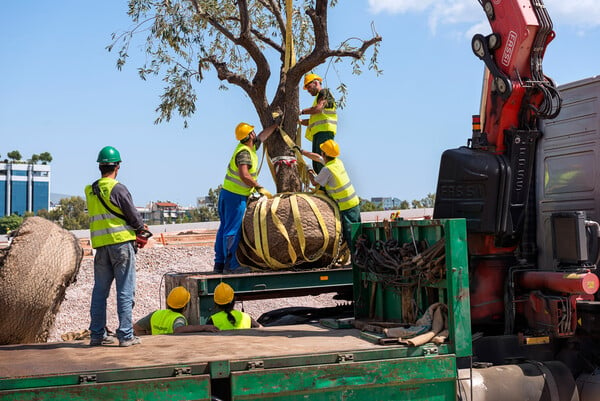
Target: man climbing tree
237, 39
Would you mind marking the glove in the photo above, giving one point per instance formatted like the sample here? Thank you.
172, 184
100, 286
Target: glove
140, 241
141, 237
297, 148
264, 192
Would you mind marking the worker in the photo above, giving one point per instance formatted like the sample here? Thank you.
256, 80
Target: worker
114, 222
240, 182
334, 178
322, 123
228, 318
171, 320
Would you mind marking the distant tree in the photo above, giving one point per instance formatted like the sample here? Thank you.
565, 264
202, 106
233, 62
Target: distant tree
368, 206
15, 155
45, 157
428, 201
213, 195
69, 213
9, 223
404, 205
35, 158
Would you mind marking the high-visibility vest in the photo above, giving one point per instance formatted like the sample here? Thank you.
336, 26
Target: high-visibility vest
105, 227
342, 191
242, 320
161, 321
233, 182
326, 120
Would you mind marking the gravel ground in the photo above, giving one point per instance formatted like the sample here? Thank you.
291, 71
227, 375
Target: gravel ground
151, 265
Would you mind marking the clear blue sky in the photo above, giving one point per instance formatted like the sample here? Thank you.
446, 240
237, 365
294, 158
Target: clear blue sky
60, 92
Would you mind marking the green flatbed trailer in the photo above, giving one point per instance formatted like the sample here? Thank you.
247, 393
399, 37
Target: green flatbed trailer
300, 362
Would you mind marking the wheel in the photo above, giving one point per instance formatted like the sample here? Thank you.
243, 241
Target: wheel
503, 86
493, 41
488, 7
478, 46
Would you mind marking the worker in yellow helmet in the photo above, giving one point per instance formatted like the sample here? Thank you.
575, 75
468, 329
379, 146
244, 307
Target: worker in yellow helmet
322, 123
228, 318
334, 179
171, 320
240, 181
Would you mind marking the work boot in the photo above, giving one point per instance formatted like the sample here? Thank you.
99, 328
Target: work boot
218, 268
94, 342
129, 342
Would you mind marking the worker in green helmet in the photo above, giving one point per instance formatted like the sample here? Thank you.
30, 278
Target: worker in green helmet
171, 320
114, 222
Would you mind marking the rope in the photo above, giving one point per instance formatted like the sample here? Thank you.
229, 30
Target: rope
290, 55
261, 235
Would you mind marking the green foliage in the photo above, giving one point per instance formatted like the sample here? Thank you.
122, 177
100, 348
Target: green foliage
184, 39
9, 223
368, 206
14, 155
70, 213
45, 157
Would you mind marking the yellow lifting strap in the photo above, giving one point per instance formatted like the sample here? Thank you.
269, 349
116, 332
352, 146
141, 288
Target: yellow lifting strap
261, 235
301, 165
290, 55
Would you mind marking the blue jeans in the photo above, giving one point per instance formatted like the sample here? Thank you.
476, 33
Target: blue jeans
232, 208
113, 262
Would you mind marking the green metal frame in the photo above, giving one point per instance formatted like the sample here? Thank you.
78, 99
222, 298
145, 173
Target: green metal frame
454, 290
380, 373
271, 285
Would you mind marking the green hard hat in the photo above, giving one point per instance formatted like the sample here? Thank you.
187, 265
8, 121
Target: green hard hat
109, 155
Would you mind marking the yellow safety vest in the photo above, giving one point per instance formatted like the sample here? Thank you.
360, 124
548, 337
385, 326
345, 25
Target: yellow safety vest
233, 182
242, 320
326, 120
342, 191
105, 227
161, 321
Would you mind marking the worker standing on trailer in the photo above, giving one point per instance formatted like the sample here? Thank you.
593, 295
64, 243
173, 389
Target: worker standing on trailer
334, 178
171, 320
322, 123
240, 182
114, 222
228, 318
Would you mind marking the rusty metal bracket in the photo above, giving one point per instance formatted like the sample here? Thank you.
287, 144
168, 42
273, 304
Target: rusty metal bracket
344, 358
255, 365
182, 371
87, 379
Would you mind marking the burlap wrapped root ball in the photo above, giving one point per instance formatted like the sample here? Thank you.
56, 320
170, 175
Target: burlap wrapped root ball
292, 230
41, 262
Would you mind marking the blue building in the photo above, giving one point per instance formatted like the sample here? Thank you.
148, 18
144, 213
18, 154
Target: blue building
24, 187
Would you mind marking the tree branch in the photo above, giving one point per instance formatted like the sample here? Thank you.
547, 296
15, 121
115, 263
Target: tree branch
355, 53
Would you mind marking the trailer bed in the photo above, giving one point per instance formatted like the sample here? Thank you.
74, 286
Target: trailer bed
191, 348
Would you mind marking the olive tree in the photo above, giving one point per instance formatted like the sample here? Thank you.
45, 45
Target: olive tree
239, 40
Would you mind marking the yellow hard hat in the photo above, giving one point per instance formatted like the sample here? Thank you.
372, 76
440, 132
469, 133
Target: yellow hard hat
178, 297
331, 148
243, 130
308, 78
223, 294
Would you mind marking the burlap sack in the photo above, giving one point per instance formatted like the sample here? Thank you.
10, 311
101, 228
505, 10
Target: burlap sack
41, 262
292, 230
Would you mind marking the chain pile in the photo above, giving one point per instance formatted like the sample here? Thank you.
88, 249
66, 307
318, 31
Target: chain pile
400, 266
